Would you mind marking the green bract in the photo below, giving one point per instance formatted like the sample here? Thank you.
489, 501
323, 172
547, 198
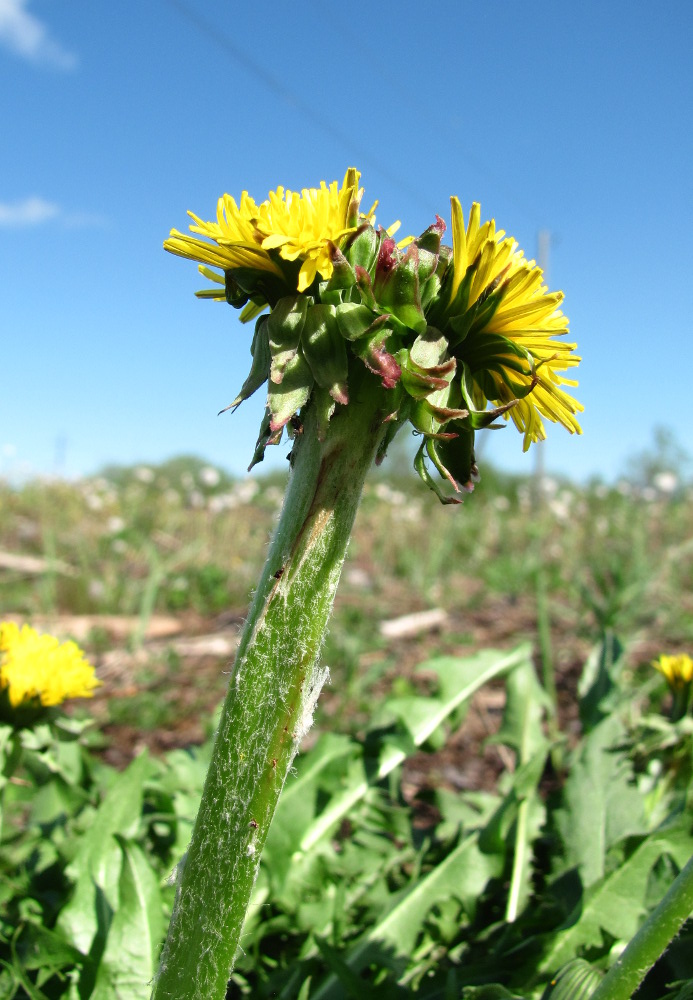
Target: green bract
455, 336
372, 311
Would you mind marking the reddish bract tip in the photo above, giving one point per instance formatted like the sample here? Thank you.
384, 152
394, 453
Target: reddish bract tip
387, 259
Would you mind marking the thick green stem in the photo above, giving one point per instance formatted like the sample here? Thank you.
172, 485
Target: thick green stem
272, 694
651, 941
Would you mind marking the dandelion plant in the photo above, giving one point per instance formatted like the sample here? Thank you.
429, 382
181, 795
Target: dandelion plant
356, 335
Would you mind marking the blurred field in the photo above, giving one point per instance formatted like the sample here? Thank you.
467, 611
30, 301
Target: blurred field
150, 569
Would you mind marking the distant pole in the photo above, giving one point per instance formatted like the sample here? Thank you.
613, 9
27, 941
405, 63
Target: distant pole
60, 455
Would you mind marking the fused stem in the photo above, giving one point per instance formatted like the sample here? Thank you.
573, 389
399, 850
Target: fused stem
651, 941
271, 697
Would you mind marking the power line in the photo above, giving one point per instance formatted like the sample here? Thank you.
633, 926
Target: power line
362, 155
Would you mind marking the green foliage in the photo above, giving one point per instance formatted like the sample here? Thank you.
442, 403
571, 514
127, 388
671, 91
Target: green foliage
484, 893
490, 900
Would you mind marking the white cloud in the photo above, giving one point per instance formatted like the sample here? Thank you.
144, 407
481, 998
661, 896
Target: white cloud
28, 37
34, 211
30, 212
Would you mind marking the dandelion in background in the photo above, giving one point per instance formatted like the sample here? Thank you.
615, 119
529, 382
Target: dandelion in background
678, 671
39, 670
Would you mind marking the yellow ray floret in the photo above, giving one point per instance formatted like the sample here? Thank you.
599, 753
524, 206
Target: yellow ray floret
525, 314
677, 669
39, 667
287, 225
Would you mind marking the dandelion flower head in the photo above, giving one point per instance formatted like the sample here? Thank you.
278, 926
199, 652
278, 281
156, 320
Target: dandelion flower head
40, 668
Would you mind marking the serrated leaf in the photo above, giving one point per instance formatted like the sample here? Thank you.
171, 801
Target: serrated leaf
464, 874
458, 678
602, 804
42, 948
597, 682
525, 707
615, 905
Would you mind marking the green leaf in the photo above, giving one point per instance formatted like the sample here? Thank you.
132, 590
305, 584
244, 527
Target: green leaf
328, 764
522, 730
598, 681
615, 904
602, 803
97, 862
129, 959
526, 704
464, 874
41, 948
458, 680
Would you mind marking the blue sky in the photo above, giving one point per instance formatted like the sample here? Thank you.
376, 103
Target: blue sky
117, 118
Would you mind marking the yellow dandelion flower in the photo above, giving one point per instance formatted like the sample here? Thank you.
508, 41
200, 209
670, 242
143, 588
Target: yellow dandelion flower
286, 226
677, 669
39, 667
504, 321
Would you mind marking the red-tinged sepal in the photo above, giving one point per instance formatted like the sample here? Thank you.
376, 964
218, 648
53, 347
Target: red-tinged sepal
453, 458
395, 422
396, 284
325, 351
426, 368
266, 437
371, 350
456, 457
285, 325
286, 398
427, 478
342, 279
429, 419
343, 275
365, 287
325, 406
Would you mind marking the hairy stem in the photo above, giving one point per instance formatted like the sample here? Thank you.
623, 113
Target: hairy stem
271, 697
651, 941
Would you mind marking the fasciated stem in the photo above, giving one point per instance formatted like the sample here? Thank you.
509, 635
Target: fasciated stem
651, 941
272, 694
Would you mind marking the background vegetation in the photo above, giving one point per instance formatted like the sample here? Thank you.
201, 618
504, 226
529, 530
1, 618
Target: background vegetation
490, 791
